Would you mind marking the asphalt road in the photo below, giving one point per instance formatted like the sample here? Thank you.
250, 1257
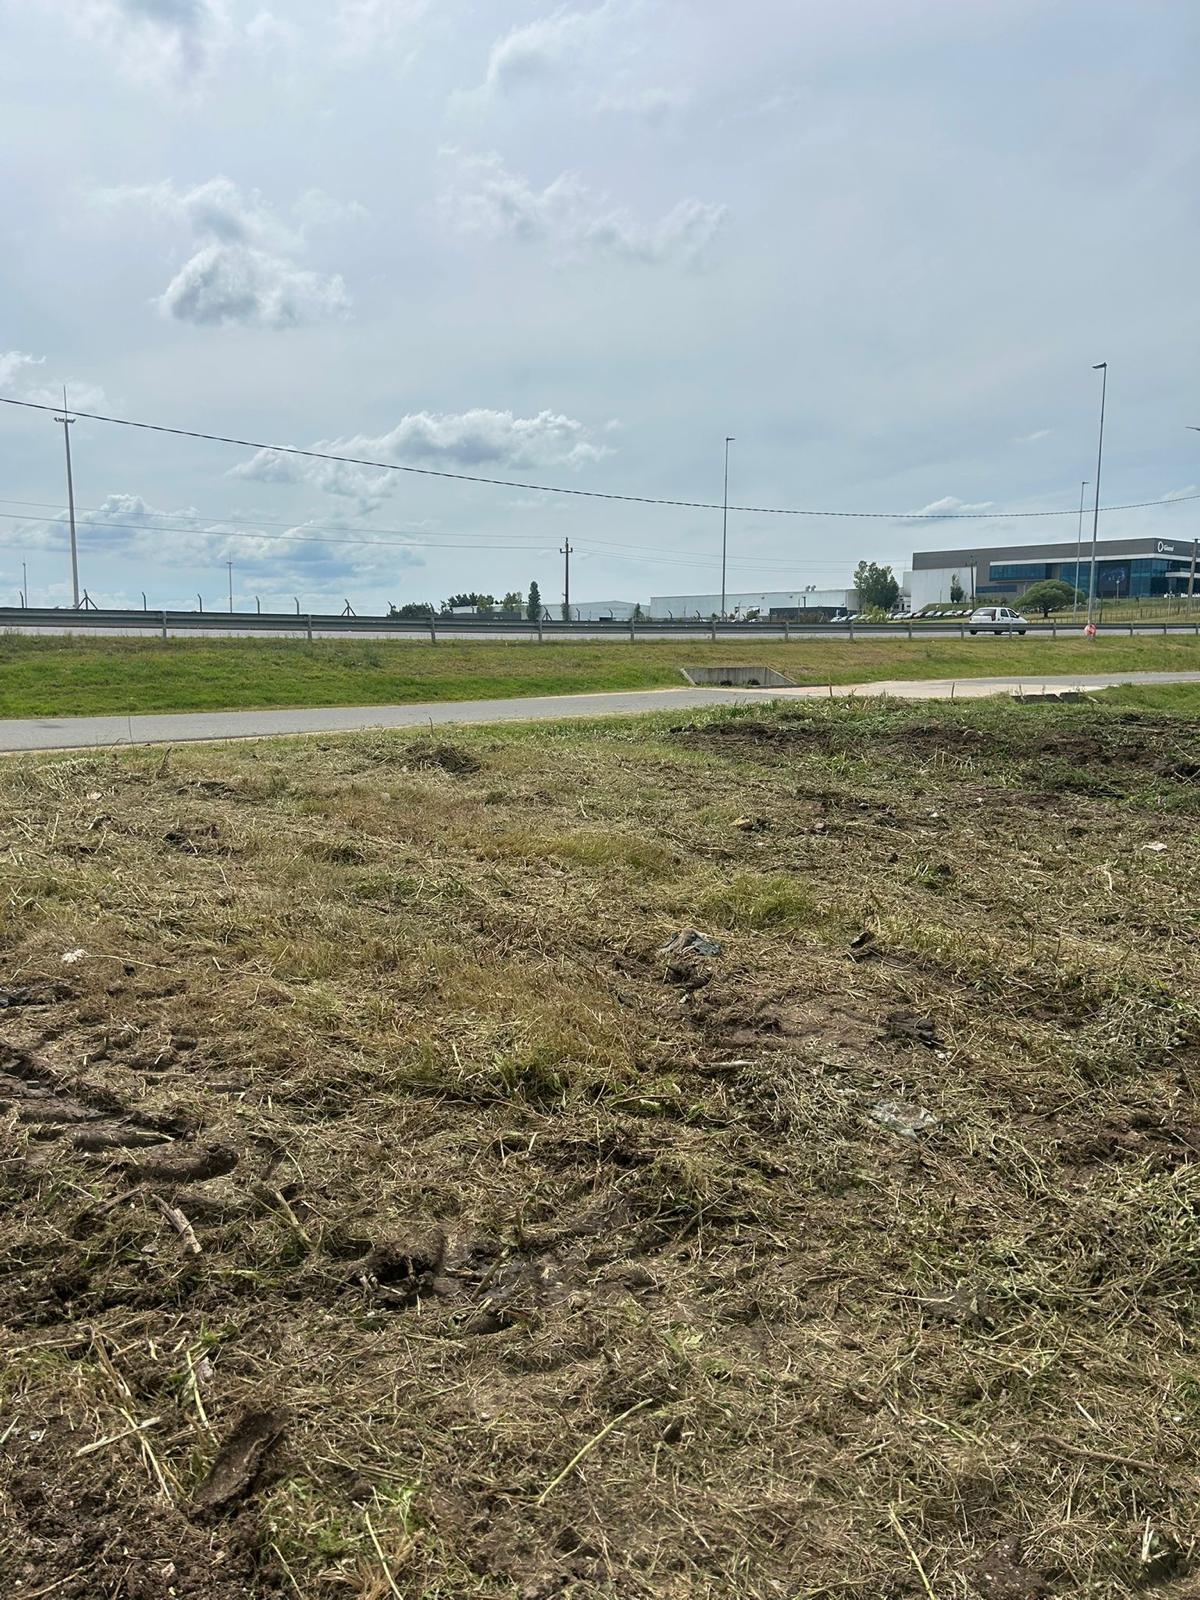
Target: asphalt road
576, 633
70, 733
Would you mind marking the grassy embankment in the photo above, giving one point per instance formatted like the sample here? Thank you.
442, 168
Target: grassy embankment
384, 1212
61, 677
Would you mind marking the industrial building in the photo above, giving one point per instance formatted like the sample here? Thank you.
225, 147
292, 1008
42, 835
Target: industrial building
1141, 567
781, 605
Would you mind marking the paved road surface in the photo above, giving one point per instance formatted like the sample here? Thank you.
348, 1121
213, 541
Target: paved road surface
758, 633
66, 733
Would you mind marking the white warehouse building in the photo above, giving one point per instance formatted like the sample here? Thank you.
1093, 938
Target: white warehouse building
783, 604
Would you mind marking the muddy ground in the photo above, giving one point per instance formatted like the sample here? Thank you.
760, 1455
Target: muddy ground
385, 1209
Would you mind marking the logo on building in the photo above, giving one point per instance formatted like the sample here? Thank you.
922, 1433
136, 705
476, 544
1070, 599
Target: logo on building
1165, 549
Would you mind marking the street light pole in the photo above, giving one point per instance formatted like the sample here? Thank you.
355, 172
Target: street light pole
1101, 366
66, 422
725, 523
229, 564
24, 586
1078, 551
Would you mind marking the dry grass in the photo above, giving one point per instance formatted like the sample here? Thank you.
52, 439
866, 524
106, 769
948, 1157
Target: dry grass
568, 1267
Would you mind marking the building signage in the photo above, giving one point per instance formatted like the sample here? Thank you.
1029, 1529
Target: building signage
1165, 549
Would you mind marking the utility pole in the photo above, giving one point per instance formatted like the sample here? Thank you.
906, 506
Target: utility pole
1101, 366
25, 582
565, 552
1191, 576
1078, 551
66, 422
725, 522
229, 564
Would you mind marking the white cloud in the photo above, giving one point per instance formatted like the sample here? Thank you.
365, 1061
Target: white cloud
242, 268
477, 440
571, 220
537, 49
307, 558
17, 370
596, 55
1032, 438
13, 366
949, 505
223, 284
164, 40
1175, 494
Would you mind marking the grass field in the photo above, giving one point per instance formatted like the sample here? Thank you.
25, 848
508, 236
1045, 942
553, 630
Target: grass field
63, 677
385, 1212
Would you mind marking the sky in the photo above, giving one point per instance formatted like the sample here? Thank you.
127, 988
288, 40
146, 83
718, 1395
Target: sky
881, 243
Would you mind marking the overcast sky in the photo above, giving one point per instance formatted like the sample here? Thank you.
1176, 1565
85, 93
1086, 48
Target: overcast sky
881, 242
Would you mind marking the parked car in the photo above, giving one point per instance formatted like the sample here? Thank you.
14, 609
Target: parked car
997, 619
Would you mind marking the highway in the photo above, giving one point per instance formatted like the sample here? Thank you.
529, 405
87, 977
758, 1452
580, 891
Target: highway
71, 733
244, 625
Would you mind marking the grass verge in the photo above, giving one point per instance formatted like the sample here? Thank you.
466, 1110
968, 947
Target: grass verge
384, 1210
81, 676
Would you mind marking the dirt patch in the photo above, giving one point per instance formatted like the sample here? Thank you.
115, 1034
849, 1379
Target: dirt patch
1003, 1575
85, 1531
240, 1460
89, 1115
1163, 1142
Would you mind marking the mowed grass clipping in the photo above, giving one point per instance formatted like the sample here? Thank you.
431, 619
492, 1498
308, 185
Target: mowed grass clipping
80, 676
385, 1210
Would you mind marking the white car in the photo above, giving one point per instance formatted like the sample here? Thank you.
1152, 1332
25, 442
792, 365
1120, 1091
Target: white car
997, 619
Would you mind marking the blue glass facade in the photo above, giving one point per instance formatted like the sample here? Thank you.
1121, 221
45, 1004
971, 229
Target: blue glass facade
1138, 576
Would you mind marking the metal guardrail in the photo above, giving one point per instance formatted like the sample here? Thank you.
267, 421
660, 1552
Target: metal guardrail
308, 624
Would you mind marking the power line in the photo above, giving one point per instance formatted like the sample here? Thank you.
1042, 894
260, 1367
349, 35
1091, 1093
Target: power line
584, 494
403, 536
408, 542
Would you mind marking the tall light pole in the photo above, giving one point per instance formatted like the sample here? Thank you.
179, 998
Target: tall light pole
1101, 366
725, 522
66, 422
24, 586
229, 564
1078, 551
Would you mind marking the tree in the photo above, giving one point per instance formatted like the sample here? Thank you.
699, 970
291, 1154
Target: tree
533, 606
877, 586
1051, 594
957, 596
414, 611
511, 605
484, 603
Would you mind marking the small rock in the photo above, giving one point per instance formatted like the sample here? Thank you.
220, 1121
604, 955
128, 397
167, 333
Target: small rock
693, 942
908, 1121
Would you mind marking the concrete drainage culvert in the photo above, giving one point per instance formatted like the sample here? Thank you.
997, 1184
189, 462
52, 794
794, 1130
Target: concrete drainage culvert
738, 677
